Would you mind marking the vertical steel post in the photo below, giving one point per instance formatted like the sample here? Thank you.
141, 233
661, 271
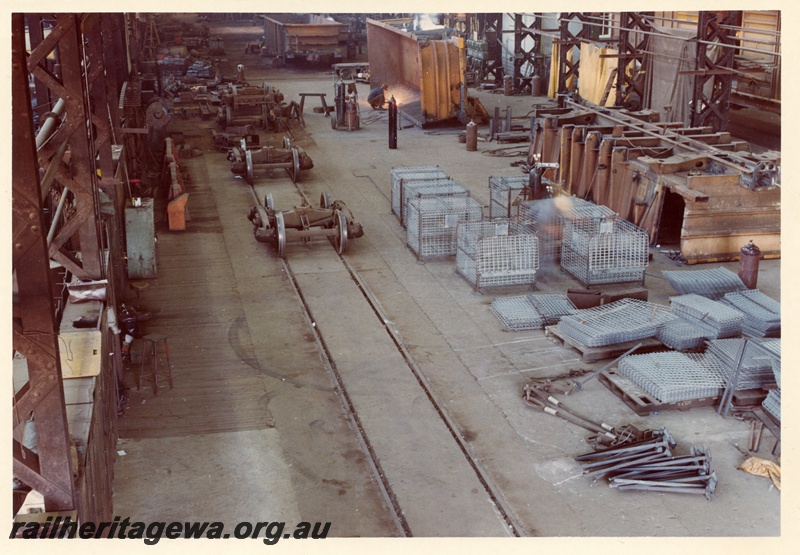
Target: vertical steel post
48, 469
392, 123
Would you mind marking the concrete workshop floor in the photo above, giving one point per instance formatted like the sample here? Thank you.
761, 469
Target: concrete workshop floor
255, 428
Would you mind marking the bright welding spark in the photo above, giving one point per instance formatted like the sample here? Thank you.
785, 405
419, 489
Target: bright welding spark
563, 203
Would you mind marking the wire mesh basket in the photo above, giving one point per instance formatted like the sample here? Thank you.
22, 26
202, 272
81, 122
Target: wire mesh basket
718, 319
531, 312
756, 368
517, 313
428, 188
496, 253
432, 223
672, 377
713, 283
682, 335
762, 314
618, 322
547, 218
503, 192
403, 175
604, 250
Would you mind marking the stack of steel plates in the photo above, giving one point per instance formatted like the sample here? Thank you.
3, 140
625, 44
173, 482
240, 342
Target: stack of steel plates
682, 335
762, 313
617, 322
672, 377
755, 370
718, 319
708, 283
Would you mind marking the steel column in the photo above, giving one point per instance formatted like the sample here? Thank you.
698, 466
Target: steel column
530, 54
568, 68
49, 469
490, 29
711, 109
632, 46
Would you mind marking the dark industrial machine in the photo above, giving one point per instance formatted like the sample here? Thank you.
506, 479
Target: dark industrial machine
304, 223
259, 106
348, 116
246, 161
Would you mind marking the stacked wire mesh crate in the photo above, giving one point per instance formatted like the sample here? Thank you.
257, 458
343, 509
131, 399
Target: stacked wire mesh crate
603, 249
401, 176
547, 216
432, 222
497, 252
428, 188
503, 191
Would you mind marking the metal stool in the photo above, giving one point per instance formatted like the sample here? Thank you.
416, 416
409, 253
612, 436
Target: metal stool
153, 339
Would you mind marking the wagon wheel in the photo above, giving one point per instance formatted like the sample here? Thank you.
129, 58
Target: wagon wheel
294, 170
287, 142
280, 235
248, 155
340, 222
325, 200
268, 202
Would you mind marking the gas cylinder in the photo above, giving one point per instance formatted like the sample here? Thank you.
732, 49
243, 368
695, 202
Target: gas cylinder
536, 85
749, 257
472, 136
508, 85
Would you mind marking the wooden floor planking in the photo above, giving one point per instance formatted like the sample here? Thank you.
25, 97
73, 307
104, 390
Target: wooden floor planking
218, 386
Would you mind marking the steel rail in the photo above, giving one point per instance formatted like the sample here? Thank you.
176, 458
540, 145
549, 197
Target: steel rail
513, 522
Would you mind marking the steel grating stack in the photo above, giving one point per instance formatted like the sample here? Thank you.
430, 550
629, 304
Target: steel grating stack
496, 253
432, 223
682, 335
604, 250
617, 322
402, 175
428, 188
716, 318
707, 283
547, 217
503, 191
532, 312
672, 377
756, 370
762, 313
552, 306
772, 404
517, 313
776, 370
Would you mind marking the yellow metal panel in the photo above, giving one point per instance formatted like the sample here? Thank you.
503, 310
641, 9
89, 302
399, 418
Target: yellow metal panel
440, 85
